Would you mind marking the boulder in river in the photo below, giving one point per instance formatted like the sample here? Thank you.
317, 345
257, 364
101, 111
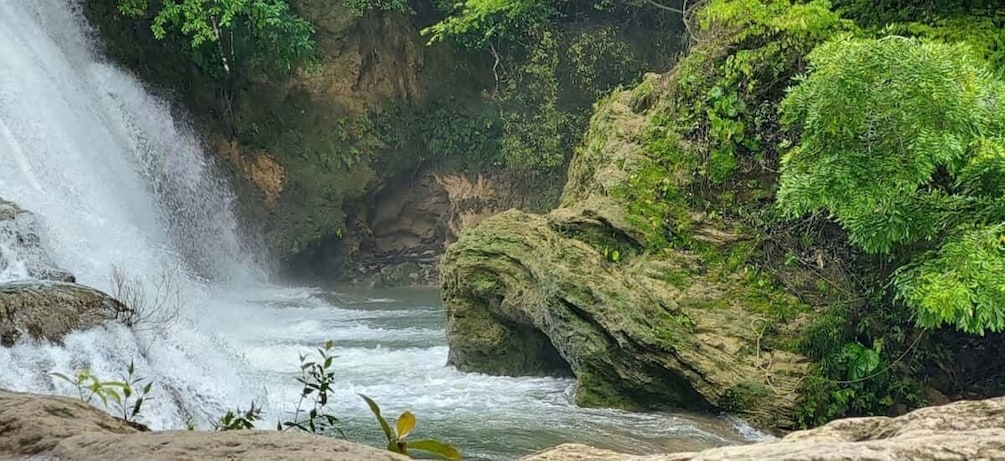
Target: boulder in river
20, 245
964, 430
579, 290
48, 427
47, 310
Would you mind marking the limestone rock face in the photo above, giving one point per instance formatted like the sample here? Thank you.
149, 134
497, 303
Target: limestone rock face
32, 424
957, 431
547, 294
249, 445
35, 426
20, 245
50, 310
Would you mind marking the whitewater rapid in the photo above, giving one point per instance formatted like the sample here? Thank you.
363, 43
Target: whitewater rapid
115, 181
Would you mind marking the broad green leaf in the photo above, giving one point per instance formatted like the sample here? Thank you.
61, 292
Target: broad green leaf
441, 449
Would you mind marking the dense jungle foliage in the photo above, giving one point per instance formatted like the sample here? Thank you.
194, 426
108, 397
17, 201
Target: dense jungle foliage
866, 132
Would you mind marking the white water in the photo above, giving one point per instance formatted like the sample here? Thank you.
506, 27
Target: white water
116, 181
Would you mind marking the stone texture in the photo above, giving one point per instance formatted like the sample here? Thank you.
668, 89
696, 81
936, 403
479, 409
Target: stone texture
31, 424
47, 310
969, 430
20, 243
540, 294
245, 445
47, 427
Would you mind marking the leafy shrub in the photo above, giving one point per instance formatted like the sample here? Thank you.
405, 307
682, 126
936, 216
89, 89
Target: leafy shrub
360, 6
216, 28
531, 120
481, 23
403, 427
239, 420
317, 378
902, 145
600, 60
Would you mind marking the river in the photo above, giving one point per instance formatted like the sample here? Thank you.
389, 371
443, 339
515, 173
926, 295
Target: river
117, 182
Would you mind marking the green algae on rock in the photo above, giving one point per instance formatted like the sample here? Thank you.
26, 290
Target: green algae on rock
531, 294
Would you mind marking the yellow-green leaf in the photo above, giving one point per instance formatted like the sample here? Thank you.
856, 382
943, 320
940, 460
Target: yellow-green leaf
405, 425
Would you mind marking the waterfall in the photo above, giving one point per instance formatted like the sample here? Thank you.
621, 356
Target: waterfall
115, 182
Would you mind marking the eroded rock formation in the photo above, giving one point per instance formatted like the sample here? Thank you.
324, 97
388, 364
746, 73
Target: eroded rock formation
958, 431
580, 290
35, 426
47, 310
42, 302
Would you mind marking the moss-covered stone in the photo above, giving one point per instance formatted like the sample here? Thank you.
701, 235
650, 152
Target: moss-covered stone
693, 312
46, 310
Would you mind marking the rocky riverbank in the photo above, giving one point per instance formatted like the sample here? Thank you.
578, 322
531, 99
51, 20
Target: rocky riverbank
965, 430
47, 427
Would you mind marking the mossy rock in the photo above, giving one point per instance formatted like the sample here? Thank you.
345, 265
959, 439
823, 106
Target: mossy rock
522, 298
647, 299
46, 310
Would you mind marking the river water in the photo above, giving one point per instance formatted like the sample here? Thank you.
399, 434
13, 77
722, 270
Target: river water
117, 182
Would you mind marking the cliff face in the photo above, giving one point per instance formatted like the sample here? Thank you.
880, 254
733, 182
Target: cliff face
363, 167
304, 148
330, 163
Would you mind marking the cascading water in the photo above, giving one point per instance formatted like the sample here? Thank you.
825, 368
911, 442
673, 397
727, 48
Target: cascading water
116, 182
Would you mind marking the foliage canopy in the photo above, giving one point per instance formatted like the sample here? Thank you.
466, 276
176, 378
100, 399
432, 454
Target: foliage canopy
902, 143
214, 29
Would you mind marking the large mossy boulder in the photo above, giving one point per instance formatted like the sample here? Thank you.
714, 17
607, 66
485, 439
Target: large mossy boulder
48, 310
21, 248
580, 289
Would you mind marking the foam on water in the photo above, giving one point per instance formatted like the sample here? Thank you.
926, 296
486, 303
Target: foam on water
116, 182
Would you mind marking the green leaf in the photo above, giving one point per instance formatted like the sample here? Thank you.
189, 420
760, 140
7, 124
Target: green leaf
375, 409
441, 449
63, 377
119, 384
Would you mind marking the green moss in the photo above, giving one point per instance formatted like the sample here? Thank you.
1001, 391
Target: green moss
596, 391
743, 396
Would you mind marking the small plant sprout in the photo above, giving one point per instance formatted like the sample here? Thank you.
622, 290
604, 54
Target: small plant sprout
403, 427
123, 398
317, 378
237, 420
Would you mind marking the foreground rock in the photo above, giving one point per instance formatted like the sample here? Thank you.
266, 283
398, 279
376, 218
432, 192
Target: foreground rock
578, 291
957, 431
21, 248
46, 310
43, 426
